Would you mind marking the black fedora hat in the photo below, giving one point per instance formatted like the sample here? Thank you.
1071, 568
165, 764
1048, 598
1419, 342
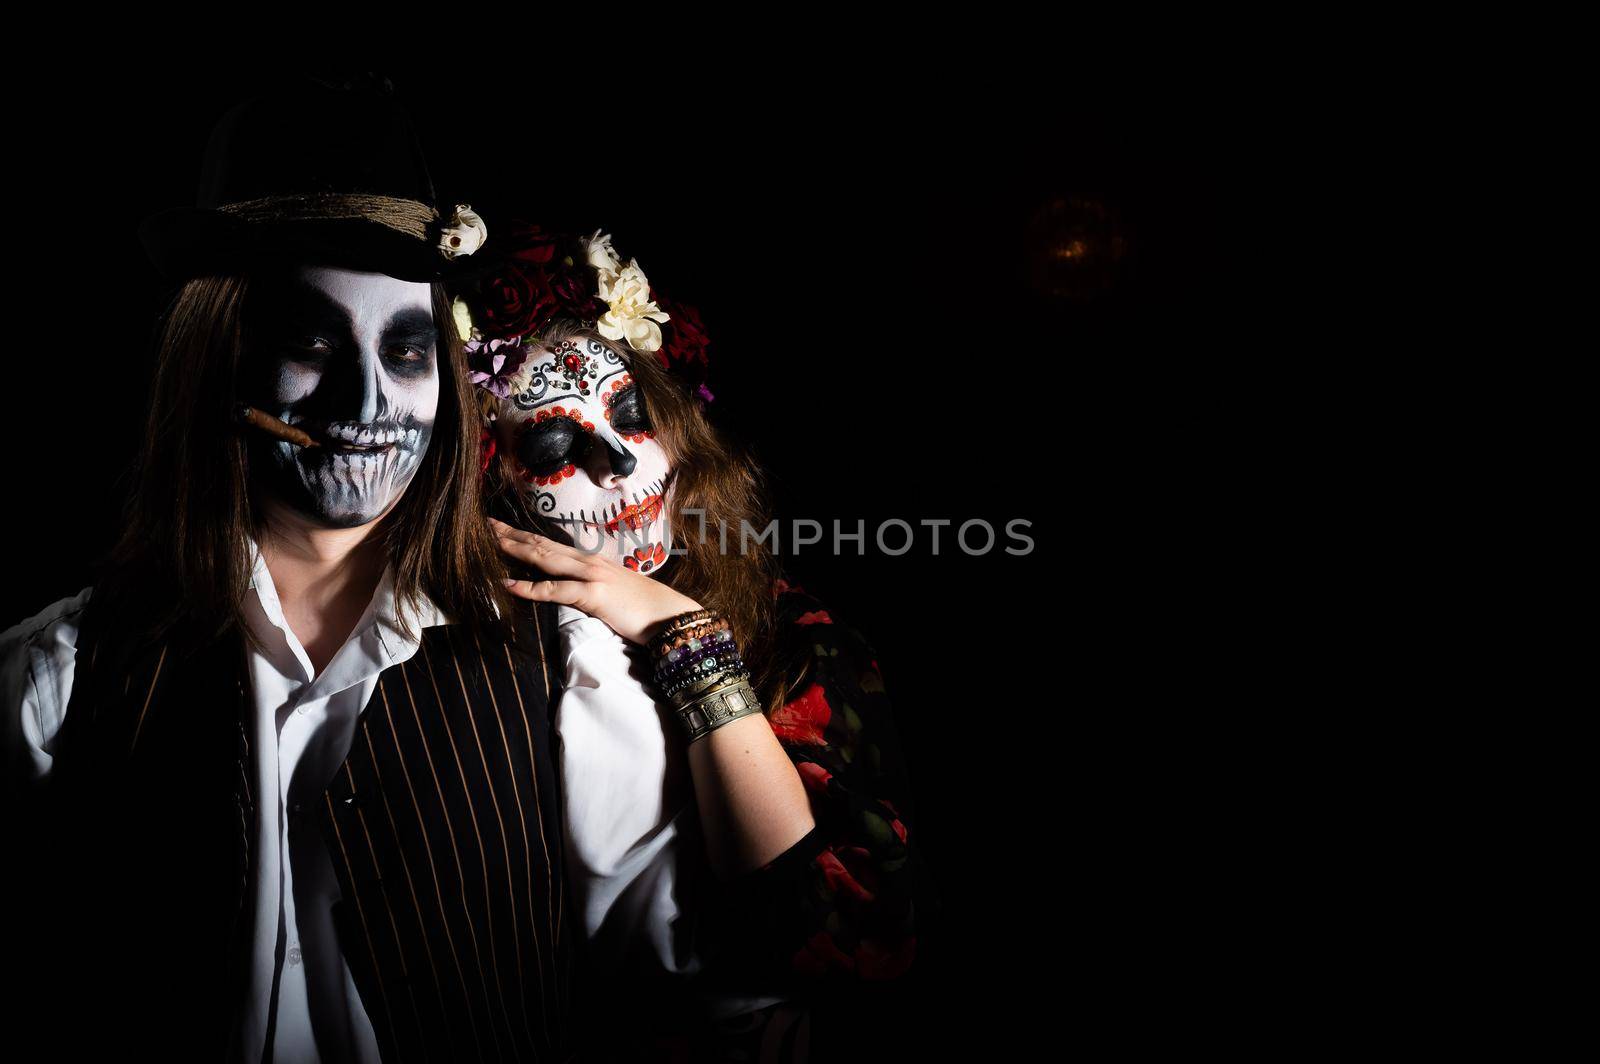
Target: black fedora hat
314, 170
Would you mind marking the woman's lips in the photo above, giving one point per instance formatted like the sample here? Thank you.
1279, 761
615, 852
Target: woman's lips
636, 515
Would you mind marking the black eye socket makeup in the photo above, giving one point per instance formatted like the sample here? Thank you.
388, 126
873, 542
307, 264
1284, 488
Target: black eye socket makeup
543, 447
297, 320
408, 342
627, 411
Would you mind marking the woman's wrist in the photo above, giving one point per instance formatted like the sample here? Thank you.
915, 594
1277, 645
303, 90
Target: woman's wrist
699, 669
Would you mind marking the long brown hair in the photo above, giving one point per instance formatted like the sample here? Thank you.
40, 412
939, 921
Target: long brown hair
711, 476
182, 555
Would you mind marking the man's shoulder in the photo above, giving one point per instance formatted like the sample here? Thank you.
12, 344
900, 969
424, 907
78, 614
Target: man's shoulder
37, 658
56, 623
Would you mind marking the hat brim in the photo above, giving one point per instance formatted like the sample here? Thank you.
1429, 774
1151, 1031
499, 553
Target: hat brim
185, 242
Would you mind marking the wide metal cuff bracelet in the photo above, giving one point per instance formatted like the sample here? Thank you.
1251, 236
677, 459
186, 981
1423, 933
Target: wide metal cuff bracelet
725, 704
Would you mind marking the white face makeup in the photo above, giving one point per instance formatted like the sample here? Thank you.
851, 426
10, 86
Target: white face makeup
583, 451
351, 358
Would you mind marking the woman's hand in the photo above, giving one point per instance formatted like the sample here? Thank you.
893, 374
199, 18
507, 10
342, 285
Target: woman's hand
633, 604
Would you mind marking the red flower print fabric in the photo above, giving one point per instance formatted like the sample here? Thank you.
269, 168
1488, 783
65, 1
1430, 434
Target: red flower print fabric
838, 907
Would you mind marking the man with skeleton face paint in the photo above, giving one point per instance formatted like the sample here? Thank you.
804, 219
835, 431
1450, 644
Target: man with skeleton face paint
350, 359
293, 748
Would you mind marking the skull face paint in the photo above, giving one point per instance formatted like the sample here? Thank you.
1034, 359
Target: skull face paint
585, 454
351, 358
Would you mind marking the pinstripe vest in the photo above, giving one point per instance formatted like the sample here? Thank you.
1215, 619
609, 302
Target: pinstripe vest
443, 825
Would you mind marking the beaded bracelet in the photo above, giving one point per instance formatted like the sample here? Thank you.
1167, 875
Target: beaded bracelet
697, 686
705, 670
676, 624
706, 659
688, 656
690, 635
682, 651
677, 653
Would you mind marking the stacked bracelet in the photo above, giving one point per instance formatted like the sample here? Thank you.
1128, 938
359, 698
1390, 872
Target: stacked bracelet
699, 670
660, 642
722, 704
676, 638
710, 658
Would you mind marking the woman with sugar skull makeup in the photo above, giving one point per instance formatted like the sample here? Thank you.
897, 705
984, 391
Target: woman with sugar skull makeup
736, 808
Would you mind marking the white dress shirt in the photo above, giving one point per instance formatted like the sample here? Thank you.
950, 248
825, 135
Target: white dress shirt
634, 850
301, 727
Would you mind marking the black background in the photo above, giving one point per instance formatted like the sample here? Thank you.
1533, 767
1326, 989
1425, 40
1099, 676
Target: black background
864, 263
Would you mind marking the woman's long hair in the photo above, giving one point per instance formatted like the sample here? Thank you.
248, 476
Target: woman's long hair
182, 555
710, 477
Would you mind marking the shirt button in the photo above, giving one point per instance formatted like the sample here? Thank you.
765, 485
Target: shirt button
294, 955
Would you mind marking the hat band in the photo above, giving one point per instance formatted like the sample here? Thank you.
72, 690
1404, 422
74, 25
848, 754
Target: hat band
407, 216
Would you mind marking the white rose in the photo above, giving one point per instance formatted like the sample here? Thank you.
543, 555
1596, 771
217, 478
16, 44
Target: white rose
602, 256
631, 314
463, 319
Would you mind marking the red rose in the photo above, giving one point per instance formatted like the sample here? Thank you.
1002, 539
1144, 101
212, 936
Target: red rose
684, 340
576, 289
527, 243
515, 302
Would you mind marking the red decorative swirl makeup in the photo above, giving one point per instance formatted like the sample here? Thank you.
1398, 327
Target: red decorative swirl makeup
559, 411
554, 478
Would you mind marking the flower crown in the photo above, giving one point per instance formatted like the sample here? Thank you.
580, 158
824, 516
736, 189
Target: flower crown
542, 276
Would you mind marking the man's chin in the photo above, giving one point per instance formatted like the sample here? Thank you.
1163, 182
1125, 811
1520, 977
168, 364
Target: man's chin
348, 520
323, 515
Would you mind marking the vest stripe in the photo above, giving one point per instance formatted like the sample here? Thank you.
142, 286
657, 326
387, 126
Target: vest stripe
162, 660
405, 865
455, 846
538, 805
564, 985
433, 865
388, 905
483, 863
527, 856
505, 847
538, 633
388, 1015
544, 673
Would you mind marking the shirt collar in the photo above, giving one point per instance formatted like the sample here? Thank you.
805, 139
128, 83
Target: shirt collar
384, 612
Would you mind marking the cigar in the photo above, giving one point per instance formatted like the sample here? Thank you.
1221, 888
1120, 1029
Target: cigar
249, 415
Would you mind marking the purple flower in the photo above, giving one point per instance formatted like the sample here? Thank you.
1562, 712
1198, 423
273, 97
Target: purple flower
492, 365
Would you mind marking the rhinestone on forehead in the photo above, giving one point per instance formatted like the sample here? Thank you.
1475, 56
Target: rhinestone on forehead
577, 368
